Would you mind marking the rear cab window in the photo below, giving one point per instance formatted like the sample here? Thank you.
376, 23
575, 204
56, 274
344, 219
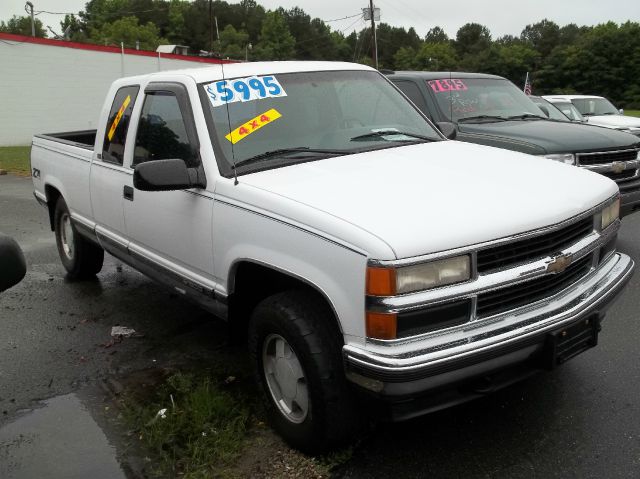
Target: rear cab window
115, 135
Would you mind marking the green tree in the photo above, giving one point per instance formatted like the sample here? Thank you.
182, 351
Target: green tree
437, 57
276, 42
544, 36
405, 59
473, 46
391, 39
436, 35
127, 31
512, 61
472, 39
22, 26
75, 28
176, 26
233, 43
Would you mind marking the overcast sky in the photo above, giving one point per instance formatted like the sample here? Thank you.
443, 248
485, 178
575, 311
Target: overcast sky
501, 16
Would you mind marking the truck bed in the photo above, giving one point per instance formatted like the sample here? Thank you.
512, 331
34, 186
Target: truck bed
62, 162
83, 139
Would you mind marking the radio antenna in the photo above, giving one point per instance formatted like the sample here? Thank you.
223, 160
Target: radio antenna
233, 153
450, 97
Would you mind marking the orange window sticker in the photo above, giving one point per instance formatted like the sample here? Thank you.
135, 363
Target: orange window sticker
252, 125
118, 117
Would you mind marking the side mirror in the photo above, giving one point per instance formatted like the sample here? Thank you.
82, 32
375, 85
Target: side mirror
544, 109
448, 129
621, 110
167, 175
12, 264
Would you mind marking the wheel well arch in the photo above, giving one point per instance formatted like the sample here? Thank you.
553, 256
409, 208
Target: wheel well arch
250, 281
52, 193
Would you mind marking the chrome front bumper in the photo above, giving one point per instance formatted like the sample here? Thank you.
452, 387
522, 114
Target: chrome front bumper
414, 367
629, 196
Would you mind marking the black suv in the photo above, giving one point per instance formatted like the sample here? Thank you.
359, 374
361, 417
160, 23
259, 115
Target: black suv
490, 110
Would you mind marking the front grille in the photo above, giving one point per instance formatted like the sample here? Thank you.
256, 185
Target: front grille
625, 175
605, 157
511, 297
547, 244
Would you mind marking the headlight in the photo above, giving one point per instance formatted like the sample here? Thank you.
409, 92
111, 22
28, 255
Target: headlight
408, 279
566, 158
610, 213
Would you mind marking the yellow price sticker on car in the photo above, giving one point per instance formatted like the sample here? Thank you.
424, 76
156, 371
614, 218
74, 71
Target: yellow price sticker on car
118, 117
252, 125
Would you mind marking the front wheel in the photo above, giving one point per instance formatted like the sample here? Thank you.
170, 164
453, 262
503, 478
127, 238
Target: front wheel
298, 365
80, 257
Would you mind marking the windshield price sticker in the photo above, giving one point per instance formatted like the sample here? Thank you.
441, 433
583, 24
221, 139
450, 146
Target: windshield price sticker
440, 86
252, 125
244, 89
118, 117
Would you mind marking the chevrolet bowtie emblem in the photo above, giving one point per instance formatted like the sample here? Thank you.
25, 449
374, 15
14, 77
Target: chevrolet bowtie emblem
559, 263
618, 166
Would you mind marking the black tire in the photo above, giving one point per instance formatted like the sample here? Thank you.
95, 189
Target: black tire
83, 259
303, 319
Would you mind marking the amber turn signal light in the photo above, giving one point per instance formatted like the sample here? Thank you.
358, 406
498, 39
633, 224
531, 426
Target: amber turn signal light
382, 325
381, 281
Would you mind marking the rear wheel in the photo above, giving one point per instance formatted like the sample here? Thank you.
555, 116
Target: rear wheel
297, 358
80, 257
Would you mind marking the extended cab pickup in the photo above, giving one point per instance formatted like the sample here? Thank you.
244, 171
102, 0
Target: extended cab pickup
314, 208
490, 110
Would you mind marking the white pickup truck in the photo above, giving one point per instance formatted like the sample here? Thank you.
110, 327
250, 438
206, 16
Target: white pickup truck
364, 255
597, 110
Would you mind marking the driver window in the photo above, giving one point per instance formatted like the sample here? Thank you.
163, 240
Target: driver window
162, 134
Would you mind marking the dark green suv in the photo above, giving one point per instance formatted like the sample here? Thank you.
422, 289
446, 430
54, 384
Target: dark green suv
490, 110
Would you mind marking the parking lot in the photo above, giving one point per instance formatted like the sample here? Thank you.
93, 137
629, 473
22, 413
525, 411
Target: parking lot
583, 420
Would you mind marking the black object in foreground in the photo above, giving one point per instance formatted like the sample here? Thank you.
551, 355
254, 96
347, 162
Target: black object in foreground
12, 264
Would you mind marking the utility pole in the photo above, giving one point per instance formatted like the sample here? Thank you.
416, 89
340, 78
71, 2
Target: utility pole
211, 26
33, 22
373, 29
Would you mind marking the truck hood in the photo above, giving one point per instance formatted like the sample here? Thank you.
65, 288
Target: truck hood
545, 136
426, 198
614, 121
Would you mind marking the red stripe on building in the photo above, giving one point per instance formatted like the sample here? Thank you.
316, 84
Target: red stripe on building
106, 49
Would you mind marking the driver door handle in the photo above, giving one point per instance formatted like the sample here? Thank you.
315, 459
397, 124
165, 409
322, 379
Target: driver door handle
127, 192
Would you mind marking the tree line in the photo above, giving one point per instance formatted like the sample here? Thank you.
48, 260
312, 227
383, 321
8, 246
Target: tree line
603, 59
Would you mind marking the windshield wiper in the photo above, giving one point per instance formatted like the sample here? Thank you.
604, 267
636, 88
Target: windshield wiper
383, 133
267, 155
526, 116
482, 117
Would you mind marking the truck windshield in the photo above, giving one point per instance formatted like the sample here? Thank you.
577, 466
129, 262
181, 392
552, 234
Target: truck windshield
486, 99
277, 120
594, 106
554, 113
569, 110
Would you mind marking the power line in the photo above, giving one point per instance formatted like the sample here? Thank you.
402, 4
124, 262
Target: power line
343, 18
351, 25
103, 14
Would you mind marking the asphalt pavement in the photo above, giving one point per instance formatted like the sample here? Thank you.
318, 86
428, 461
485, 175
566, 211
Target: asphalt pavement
581, 420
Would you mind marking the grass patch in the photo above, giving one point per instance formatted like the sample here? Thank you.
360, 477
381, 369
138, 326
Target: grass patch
192, 424
632, 113
15, 159
213, 427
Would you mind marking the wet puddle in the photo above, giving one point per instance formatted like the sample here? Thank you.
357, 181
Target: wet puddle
59, 440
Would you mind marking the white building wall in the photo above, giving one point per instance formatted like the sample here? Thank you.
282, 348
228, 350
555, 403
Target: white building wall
49, 89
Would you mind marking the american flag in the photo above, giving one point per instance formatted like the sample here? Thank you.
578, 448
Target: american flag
527, 86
